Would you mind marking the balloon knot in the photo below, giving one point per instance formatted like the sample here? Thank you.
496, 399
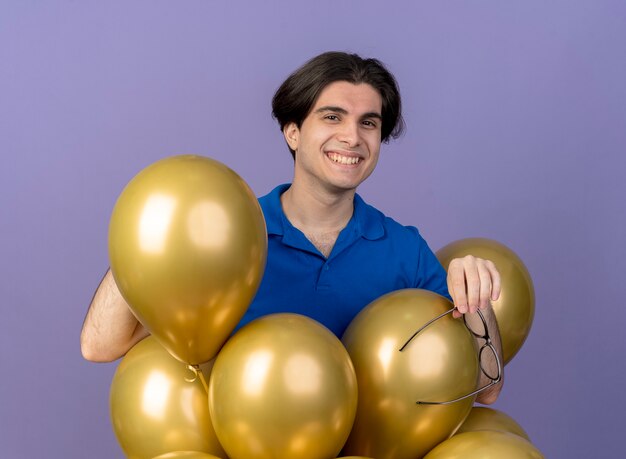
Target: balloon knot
194, 369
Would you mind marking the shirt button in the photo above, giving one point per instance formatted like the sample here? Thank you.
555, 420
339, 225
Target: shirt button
327, 267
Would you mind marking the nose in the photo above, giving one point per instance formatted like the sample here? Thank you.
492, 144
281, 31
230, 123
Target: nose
349, 134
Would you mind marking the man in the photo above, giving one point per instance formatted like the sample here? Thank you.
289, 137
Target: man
329, 253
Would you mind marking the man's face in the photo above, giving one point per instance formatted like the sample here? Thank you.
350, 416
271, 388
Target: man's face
338, 144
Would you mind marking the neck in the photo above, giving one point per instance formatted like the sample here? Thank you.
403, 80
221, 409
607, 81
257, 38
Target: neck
314, 209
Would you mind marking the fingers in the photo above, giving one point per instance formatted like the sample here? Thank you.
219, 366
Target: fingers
496, 281
472, 283
485, 285
456, 285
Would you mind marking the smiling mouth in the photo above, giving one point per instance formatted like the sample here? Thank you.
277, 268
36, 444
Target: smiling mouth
342, 159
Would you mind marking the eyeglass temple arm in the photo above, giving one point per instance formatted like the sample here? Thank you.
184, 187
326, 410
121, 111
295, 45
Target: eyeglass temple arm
486, 337
477, 391
424, 326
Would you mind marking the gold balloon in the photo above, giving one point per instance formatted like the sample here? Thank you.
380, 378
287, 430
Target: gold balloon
483, 418
283, 386
515, 309
186, 455
154, 409
485, 445
187, 244
440, 364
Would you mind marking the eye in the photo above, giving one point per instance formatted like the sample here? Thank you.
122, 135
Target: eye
370, 123
331, 117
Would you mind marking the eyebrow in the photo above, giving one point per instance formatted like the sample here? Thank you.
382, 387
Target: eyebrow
343, 111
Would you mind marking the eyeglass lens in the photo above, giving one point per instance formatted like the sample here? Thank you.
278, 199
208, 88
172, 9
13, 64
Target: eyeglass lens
488, 362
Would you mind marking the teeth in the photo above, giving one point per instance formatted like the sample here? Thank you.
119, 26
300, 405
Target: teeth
343, 159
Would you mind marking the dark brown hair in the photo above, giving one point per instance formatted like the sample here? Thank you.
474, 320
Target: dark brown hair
296, 96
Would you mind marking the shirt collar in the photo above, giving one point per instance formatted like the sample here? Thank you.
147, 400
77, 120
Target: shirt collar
273, 211
367, 221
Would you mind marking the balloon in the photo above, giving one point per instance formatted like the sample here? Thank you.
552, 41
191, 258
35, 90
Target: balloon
283, 386
186, 455
187, 244
482, 418
440, 364
485, 445
154, 410
515, 308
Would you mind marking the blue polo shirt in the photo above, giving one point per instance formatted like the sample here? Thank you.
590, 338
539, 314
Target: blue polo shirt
372, 256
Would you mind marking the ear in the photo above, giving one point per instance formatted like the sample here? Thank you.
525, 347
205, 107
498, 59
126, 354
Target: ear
292, 135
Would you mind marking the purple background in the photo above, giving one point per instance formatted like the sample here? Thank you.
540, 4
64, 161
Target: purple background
516, 116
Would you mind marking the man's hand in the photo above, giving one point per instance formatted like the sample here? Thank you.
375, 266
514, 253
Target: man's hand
472, 283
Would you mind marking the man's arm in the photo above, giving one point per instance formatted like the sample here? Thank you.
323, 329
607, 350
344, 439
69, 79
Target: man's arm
110, 328
488, 396
473, 283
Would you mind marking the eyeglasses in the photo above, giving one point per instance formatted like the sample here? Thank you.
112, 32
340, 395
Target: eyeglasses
486, 353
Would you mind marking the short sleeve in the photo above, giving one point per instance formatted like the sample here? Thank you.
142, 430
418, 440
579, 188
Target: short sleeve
429, 273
